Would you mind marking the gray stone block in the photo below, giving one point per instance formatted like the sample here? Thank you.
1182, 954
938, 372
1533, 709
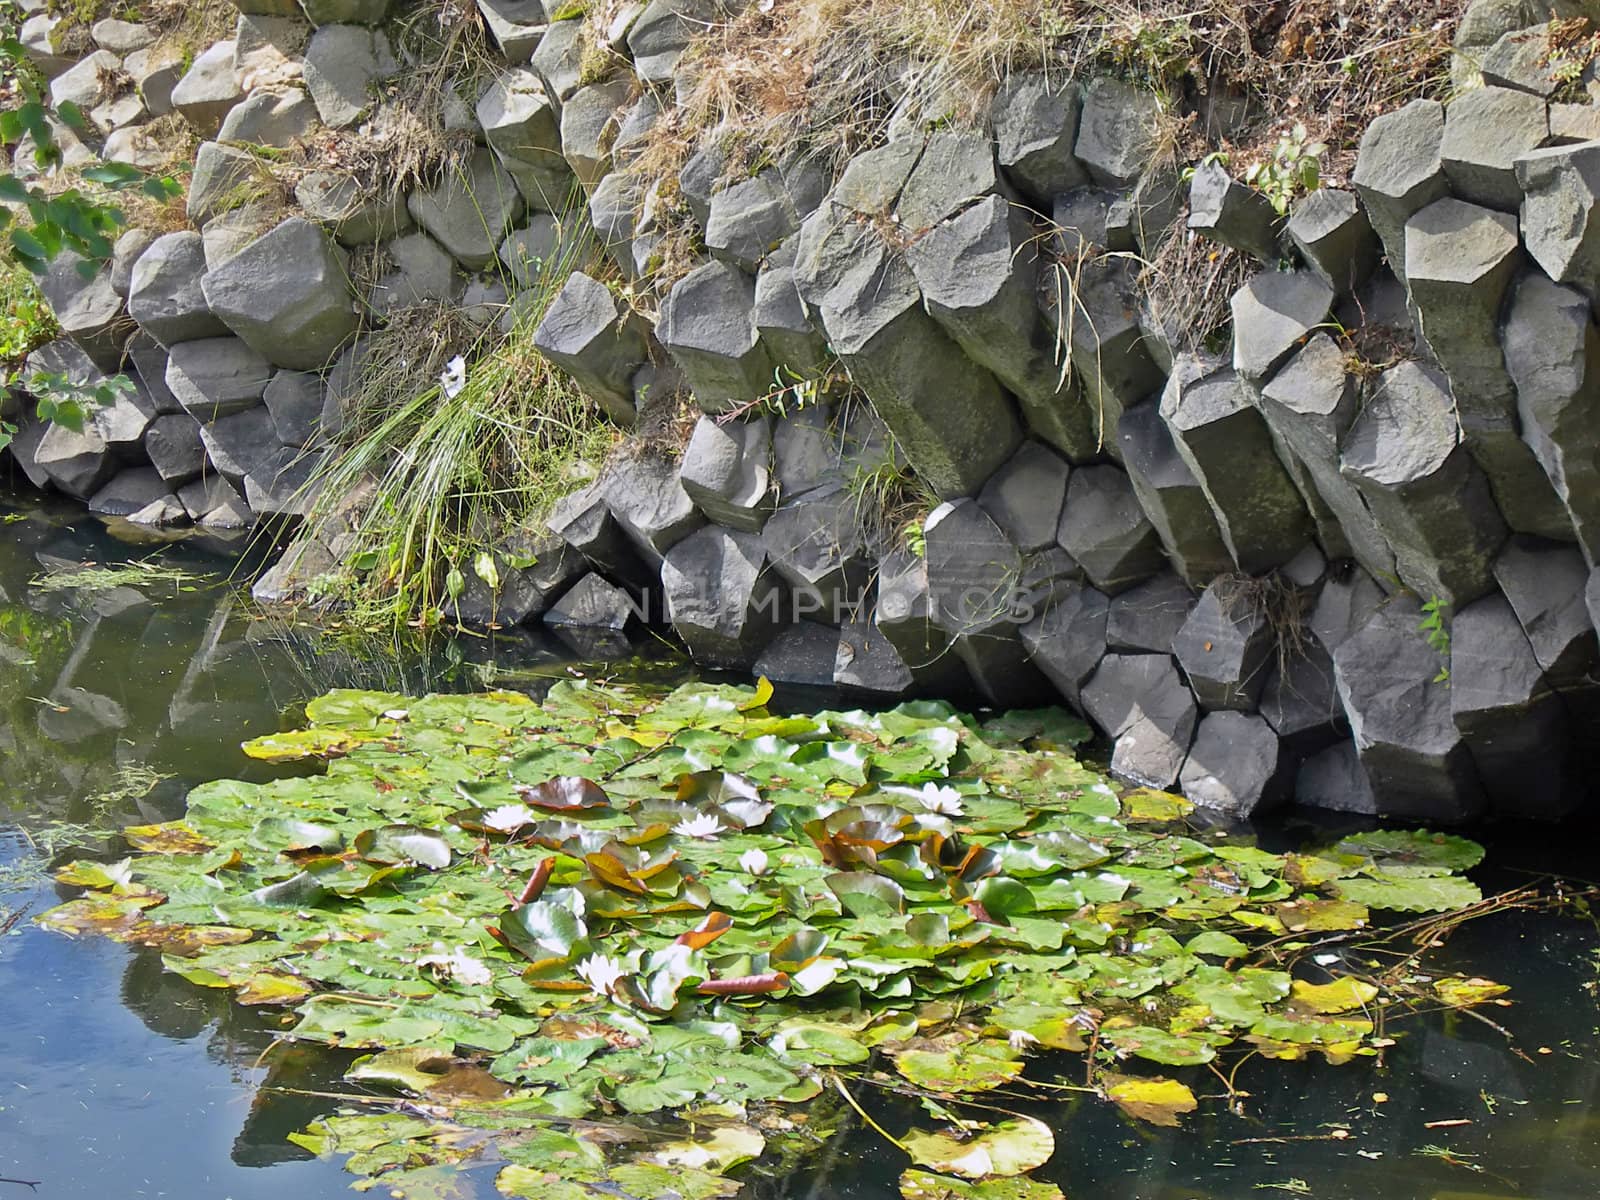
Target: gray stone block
1571, 123
720, 597
341, 65
125, 252
650, 506
866, 661
1331, 231
1078, 222
172, 445
582, 520
1343, 604
593, 603
1117, 131
1301, 702
1485, 131
355, 214
1310, 405
155, 72
147, 365
1428, 496
522, 126
123, 424
279, 119
89, 311
1552, 352
1236, 765
708, 325
283, 483
213, 377
1105, 530
240, 443
1226, 647
1094, 308
1148, 712
661, 34
558, 58
1035, 128
139, 496
1147, 618
296, 401
77, 462
1225, 441
345, 12
224, 179
1171, 496
815, 543
601, 347
1334, 779
954, 168
1024, 497
1544, 584
164, 294
952, 418
793, 341
727, 472
1400, 716
1227, 212
524, 592
468, 213
287, 295
1067, 638
515, 25
1513, 722
1273, 315
907, 617
589, 121
747, 220
421, 273
1399, 171
1520, 59
979, 276
1560, 225
207, 90
527, 249
1141, 218
802, 655
211, 501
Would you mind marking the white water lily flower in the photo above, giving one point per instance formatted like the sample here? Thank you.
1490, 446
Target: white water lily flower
454, 377
754, 861
509, 818
701, 825
600, 973
457, 965
940, 799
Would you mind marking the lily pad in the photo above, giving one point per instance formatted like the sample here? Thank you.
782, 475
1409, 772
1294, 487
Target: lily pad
1160, 1101
1012, 1147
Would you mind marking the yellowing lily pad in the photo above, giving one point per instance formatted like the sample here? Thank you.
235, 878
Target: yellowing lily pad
978, 1067
173, 837
1159, 1101
1341, 995
920, 1185
1012, 1147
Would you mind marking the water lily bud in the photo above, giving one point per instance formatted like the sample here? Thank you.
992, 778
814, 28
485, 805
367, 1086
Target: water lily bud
754, 861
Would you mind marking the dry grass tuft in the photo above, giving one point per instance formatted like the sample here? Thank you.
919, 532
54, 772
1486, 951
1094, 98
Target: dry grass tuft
1188, 282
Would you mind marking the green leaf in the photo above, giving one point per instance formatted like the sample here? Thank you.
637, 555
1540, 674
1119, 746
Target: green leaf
1426, 894
1012, 1147
920, 1185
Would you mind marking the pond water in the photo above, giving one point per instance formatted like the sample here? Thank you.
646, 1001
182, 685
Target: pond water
119, 1080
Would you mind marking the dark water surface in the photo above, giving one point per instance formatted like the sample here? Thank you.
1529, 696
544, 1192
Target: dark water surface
117, 1080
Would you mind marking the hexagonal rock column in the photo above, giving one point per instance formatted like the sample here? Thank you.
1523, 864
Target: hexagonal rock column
1544, 583
1067, 638
1560, 225
1117, 131
600, 346
164, 293
173, 447
815, 543
802, 655
213, 377
786, 330
708, 326
1334, 779
1399, 171
1485, 131
1273, 315
342, 63
1025, 496
1331, 231
584, 523
1225, 648
1227, 445
77, 462
1460, 260
1171, 496
726, 471
1552, 352
1400, 717
1515, 725
720, 597
593, 617
522, 127
589, 119
906, 616
979, 277
468, 213
1035, 127
1105, 530
1236, 765
287, 295
1227, 212
1142, 704
1094, 308
748, 220
1428, 496
866, 661
1310, 405
89, 311
1301, 702
644, 495
1147, 618
208, 89
952, 418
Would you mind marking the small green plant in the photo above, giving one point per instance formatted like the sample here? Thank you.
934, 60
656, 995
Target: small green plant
1294, 167
1433, 628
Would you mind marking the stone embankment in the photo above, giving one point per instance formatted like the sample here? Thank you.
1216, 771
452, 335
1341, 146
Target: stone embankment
1221, 556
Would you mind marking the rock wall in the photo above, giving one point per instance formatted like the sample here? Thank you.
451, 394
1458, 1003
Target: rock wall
1219, 555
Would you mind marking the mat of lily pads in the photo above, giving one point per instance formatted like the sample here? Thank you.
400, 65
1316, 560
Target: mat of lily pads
636, 944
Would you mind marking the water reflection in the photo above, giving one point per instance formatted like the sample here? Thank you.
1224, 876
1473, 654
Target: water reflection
122, 1080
